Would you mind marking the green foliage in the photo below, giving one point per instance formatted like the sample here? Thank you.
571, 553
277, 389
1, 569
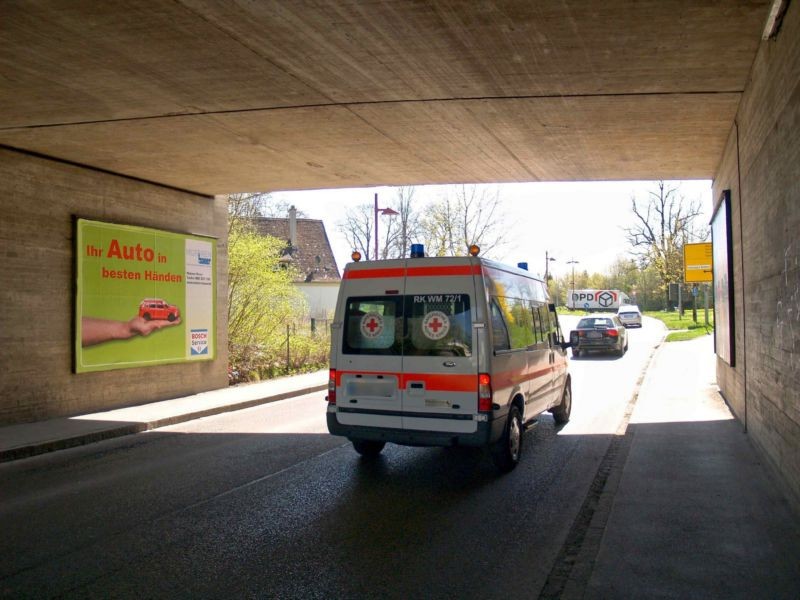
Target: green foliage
691, 334
261, 299
665, 221
563, 310
684, 328
673, 320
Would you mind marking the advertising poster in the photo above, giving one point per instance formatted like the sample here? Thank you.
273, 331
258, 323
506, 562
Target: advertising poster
722, 250
144, 297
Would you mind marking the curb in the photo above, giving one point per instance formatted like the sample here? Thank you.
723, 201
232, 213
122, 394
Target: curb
37, 448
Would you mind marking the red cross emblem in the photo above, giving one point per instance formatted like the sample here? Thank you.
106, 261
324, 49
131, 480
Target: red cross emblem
435, 325
371, 325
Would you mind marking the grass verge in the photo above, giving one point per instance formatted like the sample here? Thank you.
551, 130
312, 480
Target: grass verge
684, 329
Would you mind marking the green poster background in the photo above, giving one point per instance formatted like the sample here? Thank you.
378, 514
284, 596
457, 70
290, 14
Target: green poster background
111, 287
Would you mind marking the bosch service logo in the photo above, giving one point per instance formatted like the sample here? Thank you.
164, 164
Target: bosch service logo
606, 298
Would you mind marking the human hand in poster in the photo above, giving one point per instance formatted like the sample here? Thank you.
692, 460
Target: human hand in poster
96, 331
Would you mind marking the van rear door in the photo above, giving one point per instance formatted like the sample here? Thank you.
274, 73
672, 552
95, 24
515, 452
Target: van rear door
440, 363
370, 363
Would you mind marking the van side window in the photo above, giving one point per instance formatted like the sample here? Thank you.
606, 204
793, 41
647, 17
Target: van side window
548, 324
499, 330
537, 324
519, 321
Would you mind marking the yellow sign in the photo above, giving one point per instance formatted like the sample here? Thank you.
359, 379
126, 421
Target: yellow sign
697, 263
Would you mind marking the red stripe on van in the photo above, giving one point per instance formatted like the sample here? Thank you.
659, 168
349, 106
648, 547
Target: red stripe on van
443, 383
444, 271
374, 273
439, 383
414, 272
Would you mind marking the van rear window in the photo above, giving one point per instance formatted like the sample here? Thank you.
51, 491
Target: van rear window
413, 325
373, 325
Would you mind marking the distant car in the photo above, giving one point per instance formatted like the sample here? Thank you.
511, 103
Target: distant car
630, 315
156, 309
599, 332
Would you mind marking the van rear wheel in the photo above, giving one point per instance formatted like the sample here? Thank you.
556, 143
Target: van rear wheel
507, 450
368, 448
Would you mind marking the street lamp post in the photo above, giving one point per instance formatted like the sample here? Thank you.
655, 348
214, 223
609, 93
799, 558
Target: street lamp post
547, 260
383, 211
573, 262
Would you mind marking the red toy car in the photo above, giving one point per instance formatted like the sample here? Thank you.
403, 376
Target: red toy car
158, 309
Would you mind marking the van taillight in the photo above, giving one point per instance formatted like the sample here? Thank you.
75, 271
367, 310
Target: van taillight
332, 387
484, 392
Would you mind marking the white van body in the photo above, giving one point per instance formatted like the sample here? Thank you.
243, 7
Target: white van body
415, 342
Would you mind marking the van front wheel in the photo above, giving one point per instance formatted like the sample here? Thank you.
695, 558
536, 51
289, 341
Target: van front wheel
368, 448
507, 450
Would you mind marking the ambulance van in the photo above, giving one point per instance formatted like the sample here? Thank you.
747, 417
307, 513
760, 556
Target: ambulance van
456, 351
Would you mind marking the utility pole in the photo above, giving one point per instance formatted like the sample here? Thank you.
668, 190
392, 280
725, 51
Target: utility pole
547, 259
383, 211
572, 262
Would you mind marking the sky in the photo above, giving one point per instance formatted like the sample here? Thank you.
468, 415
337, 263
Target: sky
581, 221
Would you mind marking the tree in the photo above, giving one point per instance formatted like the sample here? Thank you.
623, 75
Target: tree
664, 222
261, 296
468, 215
357, 228
405, 227
623, 274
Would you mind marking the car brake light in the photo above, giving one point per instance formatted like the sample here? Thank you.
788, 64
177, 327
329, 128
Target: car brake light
612, 333
484, 392
332, 387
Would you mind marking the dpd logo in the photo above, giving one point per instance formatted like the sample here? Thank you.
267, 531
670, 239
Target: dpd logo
606, 299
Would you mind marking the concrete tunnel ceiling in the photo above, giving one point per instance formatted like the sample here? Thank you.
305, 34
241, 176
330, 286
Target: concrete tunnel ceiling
220, 96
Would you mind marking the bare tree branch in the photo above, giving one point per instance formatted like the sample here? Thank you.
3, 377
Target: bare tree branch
664, 222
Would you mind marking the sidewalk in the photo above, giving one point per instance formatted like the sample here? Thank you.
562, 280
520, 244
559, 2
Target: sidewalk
29, 439
692, 512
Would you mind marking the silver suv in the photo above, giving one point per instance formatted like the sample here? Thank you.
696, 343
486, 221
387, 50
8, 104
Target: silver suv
630, 316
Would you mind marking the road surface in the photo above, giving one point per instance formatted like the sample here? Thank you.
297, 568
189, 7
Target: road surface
264, 503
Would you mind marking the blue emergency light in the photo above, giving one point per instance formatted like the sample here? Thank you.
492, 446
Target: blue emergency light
522, 265
417, 251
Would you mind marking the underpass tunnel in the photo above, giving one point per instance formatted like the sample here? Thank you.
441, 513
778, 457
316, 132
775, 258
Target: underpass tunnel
147, 118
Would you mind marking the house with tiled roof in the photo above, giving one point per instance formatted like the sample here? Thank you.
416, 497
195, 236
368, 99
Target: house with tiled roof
309, 251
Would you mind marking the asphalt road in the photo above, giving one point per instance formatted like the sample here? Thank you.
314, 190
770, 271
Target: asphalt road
264, 503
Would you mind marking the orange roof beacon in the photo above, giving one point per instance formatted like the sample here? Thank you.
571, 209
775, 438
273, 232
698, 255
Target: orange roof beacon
156, 309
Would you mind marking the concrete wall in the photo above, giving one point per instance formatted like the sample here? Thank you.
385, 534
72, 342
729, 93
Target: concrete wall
38, 199
761, 167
